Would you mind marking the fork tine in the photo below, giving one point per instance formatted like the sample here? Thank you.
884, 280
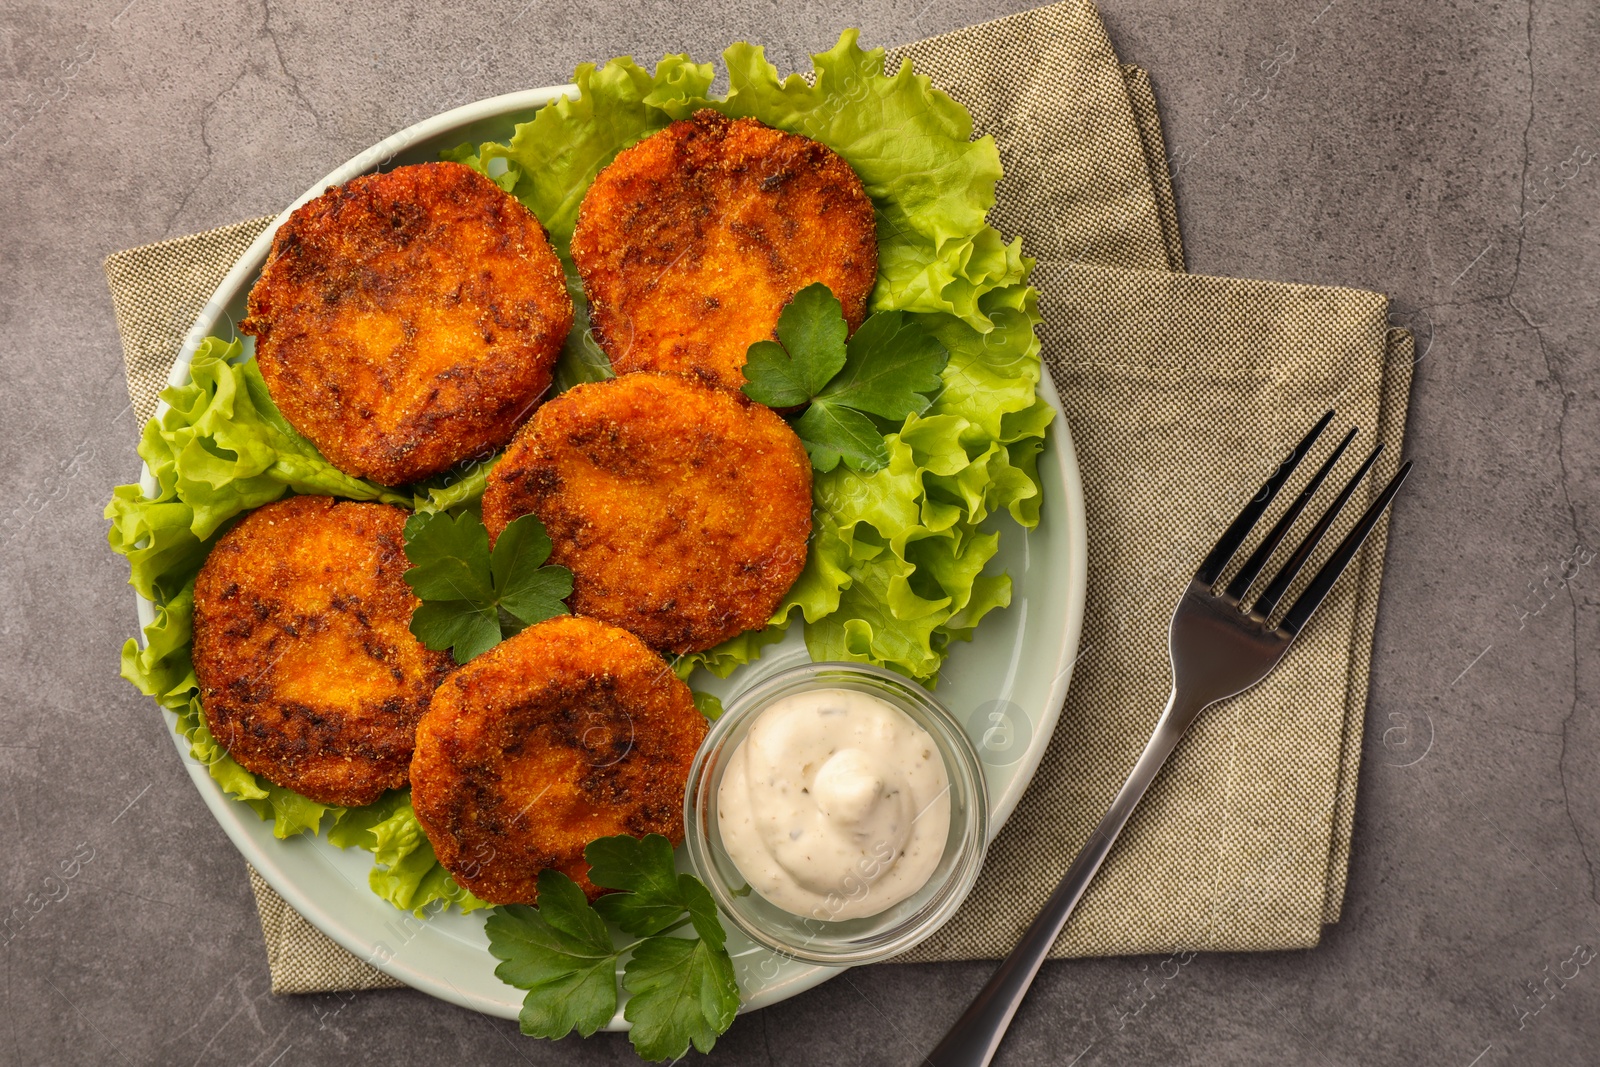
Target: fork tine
1291, 566
1258, 559
1235, 534
1312, 598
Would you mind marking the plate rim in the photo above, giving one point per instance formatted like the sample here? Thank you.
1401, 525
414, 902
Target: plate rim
228, 811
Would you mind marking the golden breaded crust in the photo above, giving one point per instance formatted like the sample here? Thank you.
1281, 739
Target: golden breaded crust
682, 510
309, 674
407, 321
570, 731
692, 241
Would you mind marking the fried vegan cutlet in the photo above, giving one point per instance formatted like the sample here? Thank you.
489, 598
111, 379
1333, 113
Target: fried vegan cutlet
692, 241
409, 320
570, 731
681, 509
309, 674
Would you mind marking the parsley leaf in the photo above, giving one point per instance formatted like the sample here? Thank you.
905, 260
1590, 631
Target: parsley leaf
464, 586
644, 869
562, 954
655, 897
708, 705
528, 589
682, 989
891, 363
809, 350
449, 557
887, 369
467, 628
833, 432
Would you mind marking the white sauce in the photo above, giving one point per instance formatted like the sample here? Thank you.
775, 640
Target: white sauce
836, 805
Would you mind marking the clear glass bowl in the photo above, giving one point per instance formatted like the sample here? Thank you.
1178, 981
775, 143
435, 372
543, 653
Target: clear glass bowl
850, 941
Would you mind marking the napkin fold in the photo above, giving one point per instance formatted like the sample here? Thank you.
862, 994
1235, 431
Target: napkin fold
1180, 392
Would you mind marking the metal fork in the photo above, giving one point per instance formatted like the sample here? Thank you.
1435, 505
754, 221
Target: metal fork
1219, 648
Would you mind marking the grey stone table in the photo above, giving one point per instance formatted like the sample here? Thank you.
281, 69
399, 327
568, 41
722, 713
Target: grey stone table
1441, 152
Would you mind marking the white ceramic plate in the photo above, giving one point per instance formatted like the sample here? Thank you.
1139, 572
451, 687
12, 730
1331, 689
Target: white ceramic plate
1008, 684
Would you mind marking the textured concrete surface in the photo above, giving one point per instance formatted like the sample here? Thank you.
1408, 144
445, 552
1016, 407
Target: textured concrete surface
1442, 152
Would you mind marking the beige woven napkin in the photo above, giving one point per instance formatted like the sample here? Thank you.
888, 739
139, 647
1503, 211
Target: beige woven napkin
1177, 390
1182, 393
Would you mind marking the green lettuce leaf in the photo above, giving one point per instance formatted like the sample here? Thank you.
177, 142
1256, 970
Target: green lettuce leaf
463, 153
559, 152
220, 449
896, 564
406, 872
582, 359
464, 485
905, 547
932, 185
223, 447
733, 653
289, 812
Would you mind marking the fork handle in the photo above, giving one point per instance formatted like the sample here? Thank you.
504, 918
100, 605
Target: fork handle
972, 1041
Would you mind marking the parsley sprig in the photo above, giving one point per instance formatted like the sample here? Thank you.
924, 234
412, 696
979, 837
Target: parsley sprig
681, 988
890, 369
472, 597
